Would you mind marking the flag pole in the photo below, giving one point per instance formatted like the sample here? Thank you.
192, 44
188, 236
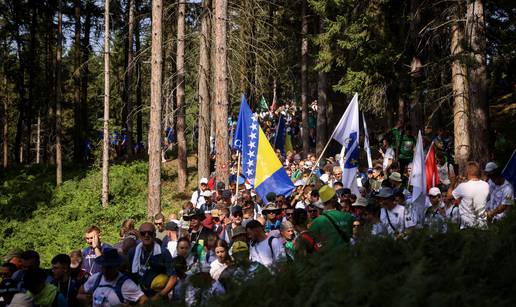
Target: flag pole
237, 176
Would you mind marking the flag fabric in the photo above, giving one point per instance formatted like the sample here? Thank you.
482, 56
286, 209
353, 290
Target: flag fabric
260, 165
417, 179
281, 131
347, 134
431, 172
366, 144
509, 171
262, 105
288, 143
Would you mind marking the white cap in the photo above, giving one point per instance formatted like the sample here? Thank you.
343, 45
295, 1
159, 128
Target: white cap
308, 164
207, 193
434, 191
203, 181
490, 167
300, 205
299, 183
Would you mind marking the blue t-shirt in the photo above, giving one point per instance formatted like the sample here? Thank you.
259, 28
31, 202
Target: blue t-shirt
88, 259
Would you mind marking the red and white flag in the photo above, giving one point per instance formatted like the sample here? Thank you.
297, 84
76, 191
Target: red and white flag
432, 175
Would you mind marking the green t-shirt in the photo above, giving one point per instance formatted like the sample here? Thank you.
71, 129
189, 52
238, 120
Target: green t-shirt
396, 138
323, 231
407, 147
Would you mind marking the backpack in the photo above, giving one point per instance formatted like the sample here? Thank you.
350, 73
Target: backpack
270, 245
117, 287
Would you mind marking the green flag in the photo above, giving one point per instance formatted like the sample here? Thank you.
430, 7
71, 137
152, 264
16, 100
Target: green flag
263, 105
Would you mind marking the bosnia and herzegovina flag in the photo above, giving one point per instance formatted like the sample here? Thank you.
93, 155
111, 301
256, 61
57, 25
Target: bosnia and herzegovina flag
260, 165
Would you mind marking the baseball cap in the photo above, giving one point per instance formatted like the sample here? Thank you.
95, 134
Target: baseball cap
490, 167
434, 191
207, 193
203, 181
239, 247
171, 226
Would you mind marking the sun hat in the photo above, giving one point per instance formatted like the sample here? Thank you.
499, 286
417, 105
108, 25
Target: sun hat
434, 191
215, 213
270, 207
385, 192
207, 193
326, 193
194, 213
109, 257
395, 176
172, 226
360, 202
490, 167
239, 230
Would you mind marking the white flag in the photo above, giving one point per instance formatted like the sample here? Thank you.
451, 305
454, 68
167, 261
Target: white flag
347, 133
366, 144
418, 180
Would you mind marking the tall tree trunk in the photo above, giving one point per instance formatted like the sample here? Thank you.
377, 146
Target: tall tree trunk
154, 201
78, 133
50, 82
476, 37
85, 68
38, 138
128, 107
139, 105
221, 92
180, 97
20, 84
105, 138
461, 119
59, 96
322, 105
304, 78
5, 134
33, 64
203, 146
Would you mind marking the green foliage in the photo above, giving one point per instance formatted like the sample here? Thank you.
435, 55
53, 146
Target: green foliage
461, 268
34, 215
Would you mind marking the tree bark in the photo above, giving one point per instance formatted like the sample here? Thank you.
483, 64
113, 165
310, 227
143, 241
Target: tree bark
59, 96
304, 77
85, 69
78, 133
203, 146
221, 92
154, 201
105, 138
128, 107
322, 105
5, 134
139, 104
476, 37
38, 138
180, 97
461, 117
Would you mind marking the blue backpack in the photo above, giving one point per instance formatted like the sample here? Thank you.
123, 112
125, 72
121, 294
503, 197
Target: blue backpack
117, 287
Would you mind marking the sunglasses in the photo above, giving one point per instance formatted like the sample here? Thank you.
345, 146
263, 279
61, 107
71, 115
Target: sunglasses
288, 214
313, 211
144, 233
158, 224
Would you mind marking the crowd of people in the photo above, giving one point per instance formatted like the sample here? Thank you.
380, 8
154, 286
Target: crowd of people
225, 235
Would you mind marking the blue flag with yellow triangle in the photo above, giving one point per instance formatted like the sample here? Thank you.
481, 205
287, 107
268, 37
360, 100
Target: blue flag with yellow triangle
260, 165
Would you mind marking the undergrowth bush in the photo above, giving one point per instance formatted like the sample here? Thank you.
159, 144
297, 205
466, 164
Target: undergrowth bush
35, 215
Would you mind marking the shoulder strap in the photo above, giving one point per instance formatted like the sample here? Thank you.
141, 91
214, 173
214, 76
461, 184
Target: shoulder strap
96, 284
339, 231
270, 246
118, 287
389, 220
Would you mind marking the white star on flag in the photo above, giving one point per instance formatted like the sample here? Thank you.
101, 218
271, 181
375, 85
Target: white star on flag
251, 154
249, 172
252, 144
254, 127
252, 135
250, 163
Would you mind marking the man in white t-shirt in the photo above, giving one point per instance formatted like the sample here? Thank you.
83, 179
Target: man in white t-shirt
110, 287
473, 196
265, 250
394, 217
197, 199
388, 154
501, 193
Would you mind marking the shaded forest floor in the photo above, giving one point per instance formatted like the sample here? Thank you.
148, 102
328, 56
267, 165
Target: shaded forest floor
36, 215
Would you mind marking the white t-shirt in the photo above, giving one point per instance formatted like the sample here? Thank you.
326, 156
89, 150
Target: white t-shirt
500, 195
399, 218
473, 196
216, 269
197, 200
261, 252
452, 214
172, 248
389, 154
105, 294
